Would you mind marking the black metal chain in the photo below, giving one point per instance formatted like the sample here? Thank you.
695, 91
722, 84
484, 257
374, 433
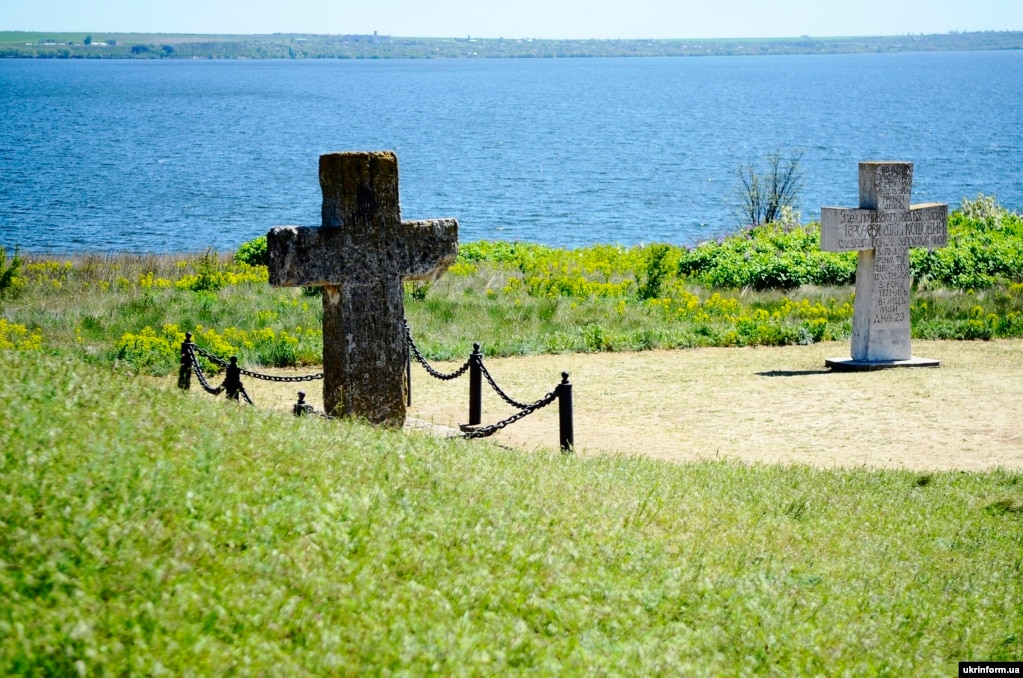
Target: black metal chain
209, 356
256, 375
470, 432
284, 380
212, 390
432, 372
497, 389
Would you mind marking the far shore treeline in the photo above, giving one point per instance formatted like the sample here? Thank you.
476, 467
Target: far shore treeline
84, 45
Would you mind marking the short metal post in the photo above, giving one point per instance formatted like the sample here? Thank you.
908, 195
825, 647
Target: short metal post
185, 371
233, 379
408, 372
301, 408
564, 391
475, 386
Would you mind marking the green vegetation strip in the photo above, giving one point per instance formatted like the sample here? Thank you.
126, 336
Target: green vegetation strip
146, 532
770, 285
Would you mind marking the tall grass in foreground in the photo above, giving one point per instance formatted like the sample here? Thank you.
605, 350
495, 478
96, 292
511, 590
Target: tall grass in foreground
143, 531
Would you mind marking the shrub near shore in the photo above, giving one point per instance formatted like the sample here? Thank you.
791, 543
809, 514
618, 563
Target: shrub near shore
770, 285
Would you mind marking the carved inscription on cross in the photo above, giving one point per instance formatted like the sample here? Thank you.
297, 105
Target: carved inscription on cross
360, 256
883, 229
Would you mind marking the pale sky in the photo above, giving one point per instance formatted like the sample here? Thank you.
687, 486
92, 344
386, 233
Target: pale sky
518, 18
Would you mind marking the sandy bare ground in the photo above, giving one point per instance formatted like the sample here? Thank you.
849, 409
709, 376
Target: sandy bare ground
773, 405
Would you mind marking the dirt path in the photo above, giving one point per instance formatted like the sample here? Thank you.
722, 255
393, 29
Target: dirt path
774, 405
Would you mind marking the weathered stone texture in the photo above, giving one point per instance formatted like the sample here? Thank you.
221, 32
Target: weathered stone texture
360, 256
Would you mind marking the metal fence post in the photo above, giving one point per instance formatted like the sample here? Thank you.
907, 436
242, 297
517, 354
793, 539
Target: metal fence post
233, 379
185, 371
565, 413
408, 370
300, 408
475, 386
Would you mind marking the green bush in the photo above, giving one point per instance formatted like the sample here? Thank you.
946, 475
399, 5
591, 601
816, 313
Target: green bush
768, 257
10, 279
253, 252
149, 351
210, 276
494, 251
657, 273
983, 250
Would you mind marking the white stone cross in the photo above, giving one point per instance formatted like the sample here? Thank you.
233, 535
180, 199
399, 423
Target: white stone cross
882, 230
360, 256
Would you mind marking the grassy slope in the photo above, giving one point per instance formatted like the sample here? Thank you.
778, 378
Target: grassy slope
143, 531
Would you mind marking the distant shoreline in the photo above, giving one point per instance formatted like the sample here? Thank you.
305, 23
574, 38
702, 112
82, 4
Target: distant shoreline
63, 45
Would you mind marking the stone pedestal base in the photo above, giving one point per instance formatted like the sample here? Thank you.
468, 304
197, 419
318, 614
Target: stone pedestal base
850, 365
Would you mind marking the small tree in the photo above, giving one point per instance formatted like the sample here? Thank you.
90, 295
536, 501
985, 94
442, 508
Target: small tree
984, 208
10, 280
762, 196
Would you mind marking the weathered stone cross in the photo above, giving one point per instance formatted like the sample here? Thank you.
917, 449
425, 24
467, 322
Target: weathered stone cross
883, 229
360, 256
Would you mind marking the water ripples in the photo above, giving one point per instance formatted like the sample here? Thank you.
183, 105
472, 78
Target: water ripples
180, 156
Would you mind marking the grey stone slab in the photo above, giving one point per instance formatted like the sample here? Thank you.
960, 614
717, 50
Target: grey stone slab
882, 230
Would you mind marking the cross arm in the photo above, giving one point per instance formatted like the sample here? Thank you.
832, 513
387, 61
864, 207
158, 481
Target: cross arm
305, 256
429, 247
846, 230
927, 225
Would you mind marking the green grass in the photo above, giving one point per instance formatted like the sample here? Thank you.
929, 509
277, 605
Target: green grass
143, 531
767, 286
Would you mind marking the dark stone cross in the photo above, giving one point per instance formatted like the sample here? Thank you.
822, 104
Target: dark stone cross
360, 256
882, 230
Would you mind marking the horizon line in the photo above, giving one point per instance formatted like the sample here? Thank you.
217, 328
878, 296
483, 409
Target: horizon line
533, 38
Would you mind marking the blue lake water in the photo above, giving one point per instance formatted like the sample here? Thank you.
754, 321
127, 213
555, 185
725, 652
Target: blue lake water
170, 156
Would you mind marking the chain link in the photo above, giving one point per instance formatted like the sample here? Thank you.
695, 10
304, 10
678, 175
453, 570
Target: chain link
468, 432
471, 432
432, 372
212, 390
497, 389
256, 375
206, 354
282, 380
